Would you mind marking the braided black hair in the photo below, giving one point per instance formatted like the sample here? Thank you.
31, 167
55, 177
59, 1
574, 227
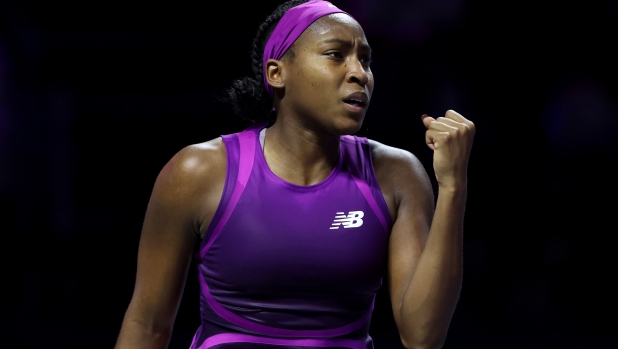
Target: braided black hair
248, 95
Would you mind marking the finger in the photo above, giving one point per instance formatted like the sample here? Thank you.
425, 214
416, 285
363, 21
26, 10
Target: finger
432, 137
442, 126
453, 115
467, 126
452, 122
427, 120
429, 141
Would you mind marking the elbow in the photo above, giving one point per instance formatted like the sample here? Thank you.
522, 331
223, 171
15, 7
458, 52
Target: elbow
145, 328
423, 343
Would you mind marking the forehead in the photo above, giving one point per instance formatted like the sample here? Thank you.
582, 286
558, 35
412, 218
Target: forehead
339, 25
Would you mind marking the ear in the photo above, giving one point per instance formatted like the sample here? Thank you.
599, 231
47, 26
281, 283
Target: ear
274, 73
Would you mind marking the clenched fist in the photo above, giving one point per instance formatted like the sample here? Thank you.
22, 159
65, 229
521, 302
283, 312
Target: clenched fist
450, 137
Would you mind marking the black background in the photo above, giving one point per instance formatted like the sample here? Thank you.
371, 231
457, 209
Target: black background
96, 96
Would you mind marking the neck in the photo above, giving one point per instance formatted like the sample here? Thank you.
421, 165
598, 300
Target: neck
298, 154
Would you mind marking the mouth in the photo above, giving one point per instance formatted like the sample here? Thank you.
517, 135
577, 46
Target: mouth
355, 102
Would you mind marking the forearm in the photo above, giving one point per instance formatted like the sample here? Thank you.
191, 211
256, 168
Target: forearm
430, 298
139, 334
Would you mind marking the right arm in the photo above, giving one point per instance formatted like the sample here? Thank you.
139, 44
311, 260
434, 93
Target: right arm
183, 201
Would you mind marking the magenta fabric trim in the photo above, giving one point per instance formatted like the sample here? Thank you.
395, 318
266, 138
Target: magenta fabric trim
247, 153
387, 218
364, 188
194, 341
245, 338
247, 144
290, 27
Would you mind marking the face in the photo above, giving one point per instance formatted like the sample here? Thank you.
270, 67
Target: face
327, 80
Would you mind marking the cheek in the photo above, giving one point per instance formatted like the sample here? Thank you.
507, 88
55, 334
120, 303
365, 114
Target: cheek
315, 80
319, 76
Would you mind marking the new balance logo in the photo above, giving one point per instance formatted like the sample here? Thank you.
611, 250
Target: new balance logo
354, 219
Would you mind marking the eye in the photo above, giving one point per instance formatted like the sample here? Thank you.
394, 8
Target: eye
366, 60
334, 54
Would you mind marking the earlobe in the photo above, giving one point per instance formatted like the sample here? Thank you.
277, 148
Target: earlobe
274, 73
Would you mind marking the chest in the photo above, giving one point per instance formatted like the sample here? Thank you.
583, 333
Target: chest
289, 239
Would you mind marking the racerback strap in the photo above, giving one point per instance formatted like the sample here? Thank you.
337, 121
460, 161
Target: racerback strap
246, 140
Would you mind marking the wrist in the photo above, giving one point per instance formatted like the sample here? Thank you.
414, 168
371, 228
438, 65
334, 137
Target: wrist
455, 194
452, 191
453, 187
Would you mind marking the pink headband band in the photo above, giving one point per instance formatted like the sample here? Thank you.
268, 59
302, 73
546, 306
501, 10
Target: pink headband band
290, 27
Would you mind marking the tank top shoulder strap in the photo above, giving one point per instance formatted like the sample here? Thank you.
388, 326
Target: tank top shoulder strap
357, 157
240, 150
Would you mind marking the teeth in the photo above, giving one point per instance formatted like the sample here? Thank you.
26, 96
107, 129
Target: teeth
354, 102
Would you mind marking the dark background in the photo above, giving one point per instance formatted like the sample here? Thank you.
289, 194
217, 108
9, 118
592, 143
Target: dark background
96, 96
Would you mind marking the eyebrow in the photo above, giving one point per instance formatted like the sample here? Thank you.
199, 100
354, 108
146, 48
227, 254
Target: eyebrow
346, 43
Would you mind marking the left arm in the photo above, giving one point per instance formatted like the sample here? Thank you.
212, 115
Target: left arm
425, 247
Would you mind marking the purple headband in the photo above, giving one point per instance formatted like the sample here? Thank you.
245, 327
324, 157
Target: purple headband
290, 27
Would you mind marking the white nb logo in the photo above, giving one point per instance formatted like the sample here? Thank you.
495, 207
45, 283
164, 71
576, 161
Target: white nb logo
354, 219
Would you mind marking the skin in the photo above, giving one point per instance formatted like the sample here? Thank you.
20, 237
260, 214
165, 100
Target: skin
330, 61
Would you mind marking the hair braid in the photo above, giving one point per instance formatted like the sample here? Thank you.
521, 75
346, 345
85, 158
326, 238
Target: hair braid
247, 95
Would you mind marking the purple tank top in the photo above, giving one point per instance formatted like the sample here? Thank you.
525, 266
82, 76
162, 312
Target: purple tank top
289, 266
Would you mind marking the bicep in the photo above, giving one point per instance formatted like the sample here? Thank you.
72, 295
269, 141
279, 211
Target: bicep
410, 229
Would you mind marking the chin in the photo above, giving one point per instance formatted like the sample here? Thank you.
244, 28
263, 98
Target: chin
349, 126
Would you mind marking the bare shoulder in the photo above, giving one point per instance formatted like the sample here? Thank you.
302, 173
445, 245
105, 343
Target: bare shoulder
394, 162
399, 174
194, 174
195, 163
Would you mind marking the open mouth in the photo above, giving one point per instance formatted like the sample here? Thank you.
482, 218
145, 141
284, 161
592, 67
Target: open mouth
355, 102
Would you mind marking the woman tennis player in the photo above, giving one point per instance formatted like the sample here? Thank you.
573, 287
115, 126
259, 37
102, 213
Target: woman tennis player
294, 224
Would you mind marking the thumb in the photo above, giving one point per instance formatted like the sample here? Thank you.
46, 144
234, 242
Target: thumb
427, 120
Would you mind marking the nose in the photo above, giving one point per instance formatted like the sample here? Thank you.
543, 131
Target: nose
357, 72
